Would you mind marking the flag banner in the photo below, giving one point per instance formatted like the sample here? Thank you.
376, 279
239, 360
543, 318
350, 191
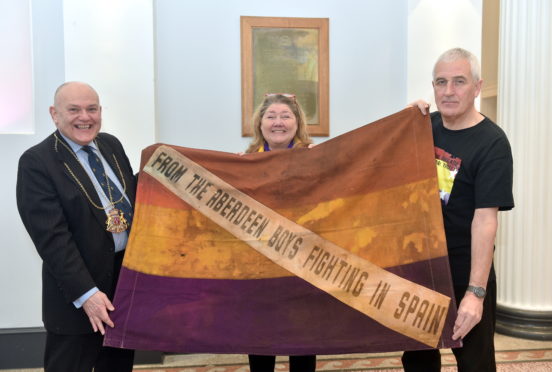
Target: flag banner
335, 249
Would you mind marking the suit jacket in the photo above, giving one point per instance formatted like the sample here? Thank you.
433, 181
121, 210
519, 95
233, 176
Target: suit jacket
68, 232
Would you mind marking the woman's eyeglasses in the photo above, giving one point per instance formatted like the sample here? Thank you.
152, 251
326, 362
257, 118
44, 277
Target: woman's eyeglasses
287, 95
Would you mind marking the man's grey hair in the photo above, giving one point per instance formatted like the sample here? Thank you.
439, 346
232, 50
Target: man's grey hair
456, 54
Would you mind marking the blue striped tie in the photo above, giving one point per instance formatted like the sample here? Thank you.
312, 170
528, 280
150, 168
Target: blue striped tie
99, 171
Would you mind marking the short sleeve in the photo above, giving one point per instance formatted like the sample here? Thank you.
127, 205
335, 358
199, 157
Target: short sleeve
494, 178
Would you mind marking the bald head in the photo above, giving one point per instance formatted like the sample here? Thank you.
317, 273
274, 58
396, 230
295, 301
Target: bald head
70, 87
77, 112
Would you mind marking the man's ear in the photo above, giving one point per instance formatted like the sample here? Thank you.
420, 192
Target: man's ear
53, 114
478, 86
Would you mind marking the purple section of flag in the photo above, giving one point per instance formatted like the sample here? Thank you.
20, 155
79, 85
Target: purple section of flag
261, 316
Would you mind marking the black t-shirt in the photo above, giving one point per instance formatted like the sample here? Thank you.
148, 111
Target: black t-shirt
475, 170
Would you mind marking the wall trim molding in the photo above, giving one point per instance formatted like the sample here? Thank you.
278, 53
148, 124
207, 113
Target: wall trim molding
528, 324
24, 348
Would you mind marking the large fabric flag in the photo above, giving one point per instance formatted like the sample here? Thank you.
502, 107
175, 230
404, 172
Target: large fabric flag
335, 249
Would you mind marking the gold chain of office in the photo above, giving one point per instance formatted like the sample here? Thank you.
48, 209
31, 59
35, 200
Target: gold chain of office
115, 218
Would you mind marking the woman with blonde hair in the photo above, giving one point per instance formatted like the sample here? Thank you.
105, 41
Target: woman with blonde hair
279, 123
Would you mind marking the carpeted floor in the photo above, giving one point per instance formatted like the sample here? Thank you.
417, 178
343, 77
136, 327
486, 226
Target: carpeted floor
514, 367
513, 355
352, 365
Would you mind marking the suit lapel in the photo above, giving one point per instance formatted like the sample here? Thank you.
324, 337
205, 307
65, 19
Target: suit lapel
76, 174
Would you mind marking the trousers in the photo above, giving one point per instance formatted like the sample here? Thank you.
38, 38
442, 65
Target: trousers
297, 363
477, 353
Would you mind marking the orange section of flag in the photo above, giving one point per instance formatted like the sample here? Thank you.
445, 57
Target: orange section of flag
189, 245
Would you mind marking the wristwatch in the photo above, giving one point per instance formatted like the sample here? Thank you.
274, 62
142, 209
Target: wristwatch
480, 292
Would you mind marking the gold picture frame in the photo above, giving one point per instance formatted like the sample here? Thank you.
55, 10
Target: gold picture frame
286, 55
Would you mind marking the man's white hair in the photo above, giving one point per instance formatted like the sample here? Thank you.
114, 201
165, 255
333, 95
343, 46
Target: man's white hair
456, 54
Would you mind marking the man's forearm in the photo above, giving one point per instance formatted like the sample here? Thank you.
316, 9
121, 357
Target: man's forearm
483, 229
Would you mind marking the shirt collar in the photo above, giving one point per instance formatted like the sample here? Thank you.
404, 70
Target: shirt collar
75, 146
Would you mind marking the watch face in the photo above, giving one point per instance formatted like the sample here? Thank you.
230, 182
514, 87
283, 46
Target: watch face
478, 291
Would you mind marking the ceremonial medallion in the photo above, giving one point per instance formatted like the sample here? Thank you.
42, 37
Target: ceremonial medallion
116, 221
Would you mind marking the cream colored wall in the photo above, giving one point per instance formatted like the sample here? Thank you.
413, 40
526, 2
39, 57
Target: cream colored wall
433, 27
109, 44
489, 58
16, 65
198, 66
185, 55
20, 280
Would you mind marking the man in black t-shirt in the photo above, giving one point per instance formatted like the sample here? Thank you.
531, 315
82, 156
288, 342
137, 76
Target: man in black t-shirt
474, 168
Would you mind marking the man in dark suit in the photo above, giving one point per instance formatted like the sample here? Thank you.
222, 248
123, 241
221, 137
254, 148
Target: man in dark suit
75, 190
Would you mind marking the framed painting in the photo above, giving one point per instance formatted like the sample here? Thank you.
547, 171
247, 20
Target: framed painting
286, 55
